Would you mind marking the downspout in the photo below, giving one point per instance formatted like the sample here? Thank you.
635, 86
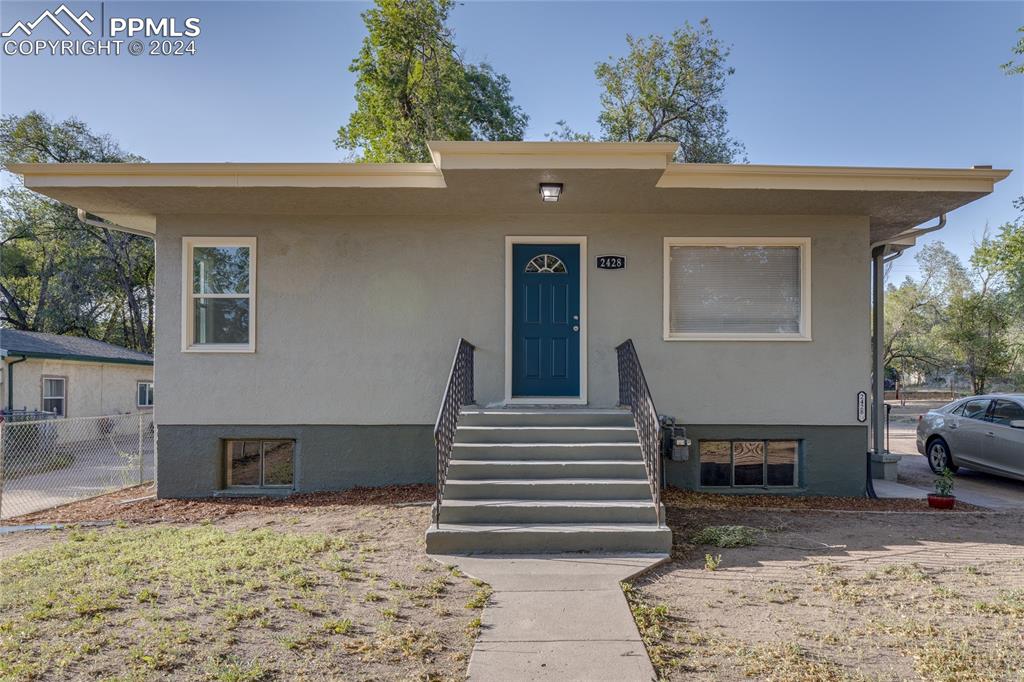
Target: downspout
878, 255
10, 382
881, 253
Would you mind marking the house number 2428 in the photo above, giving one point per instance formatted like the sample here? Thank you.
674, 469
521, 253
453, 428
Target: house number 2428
611, 262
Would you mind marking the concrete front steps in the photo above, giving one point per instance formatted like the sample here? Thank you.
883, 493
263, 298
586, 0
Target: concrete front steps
547, 480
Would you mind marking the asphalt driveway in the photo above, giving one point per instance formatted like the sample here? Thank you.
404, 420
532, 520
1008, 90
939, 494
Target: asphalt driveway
975, 487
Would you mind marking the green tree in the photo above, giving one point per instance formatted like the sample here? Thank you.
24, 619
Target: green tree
1003, 255
911, 316
413, 86
667, 90
975, 329
58, 274
1016, 65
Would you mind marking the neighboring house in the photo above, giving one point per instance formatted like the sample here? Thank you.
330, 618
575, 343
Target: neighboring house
71, 376
308, 313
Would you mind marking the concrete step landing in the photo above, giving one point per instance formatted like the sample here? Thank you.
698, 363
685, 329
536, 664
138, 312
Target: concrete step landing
547, 480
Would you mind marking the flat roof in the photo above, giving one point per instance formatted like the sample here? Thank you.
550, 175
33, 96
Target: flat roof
487, 177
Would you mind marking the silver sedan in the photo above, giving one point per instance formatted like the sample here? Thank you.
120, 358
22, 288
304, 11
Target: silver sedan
984, 432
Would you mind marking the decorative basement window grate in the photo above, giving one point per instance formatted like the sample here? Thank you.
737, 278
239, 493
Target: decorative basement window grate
749, 463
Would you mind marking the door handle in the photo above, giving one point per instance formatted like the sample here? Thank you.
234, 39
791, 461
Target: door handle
575, 328
990, 434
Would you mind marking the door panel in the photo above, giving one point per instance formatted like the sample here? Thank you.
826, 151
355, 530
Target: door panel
966, 439
546, 320
1005, 446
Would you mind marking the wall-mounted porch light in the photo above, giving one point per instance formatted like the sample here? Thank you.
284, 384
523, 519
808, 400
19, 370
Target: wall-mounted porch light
550, 191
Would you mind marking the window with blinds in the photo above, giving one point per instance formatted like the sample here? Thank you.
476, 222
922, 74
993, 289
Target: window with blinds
736, 289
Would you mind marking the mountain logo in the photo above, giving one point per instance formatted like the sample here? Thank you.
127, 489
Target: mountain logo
76, 20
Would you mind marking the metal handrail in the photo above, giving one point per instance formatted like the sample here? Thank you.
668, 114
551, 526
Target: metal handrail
634, 392
457, 392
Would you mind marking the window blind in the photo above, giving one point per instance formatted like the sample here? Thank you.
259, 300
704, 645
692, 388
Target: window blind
734, 289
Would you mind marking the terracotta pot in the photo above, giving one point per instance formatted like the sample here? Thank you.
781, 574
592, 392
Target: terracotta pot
941, 501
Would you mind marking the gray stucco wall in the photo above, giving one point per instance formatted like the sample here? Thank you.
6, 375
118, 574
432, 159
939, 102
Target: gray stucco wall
357, 320
832, 458
327, 457
358, 317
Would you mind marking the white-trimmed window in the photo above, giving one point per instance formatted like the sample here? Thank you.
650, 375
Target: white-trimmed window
144, 394
219, 294
737, 289
55, 395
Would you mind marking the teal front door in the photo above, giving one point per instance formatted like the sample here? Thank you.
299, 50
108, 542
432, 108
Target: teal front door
546, 320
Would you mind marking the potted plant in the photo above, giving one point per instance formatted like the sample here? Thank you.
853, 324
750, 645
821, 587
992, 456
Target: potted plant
943, 498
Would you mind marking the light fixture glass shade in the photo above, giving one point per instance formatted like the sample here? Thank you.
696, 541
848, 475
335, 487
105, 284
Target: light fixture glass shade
550, 191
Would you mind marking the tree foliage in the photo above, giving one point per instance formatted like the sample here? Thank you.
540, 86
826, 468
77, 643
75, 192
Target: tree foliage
667, 90
58, 274
955, 319
1016, 65
413, 86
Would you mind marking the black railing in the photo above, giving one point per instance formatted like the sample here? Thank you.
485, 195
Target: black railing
457, 392
633, 391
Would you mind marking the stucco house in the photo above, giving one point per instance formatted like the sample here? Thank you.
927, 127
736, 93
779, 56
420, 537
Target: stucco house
69, 376
309, 317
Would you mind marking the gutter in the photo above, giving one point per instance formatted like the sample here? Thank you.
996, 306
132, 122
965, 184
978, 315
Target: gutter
83, 358
83, 216
10, 381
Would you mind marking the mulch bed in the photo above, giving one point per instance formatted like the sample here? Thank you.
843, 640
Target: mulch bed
120, 507
688, 499
124, 505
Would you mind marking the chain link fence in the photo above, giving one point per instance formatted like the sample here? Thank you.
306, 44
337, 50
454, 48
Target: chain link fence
51, 462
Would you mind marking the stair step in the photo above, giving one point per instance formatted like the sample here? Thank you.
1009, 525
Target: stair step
547, 489
547, 451
546, 417
548, 511
518, 468
535, 538
546, 434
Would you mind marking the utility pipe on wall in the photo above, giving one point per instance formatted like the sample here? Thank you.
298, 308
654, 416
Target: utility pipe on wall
878, 349
10, 382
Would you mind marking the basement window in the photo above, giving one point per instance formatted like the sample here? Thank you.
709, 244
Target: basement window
259, 463
218, 287
749, 463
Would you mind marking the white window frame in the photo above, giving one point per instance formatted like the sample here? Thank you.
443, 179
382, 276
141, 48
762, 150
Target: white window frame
149, 393
803, 243
63, 397
187, 296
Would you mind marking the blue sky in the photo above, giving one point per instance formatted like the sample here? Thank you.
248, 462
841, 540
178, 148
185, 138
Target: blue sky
859, 83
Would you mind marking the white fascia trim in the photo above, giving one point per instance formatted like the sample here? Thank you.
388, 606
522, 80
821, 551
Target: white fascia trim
330, 175
551, 155
835, 178
804, 243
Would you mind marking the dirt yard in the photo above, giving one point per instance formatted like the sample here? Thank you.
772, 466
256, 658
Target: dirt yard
236, 591
814, 595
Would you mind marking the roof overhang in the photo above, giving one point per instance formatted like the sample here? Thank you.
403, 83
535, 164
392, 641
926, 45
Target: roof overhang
502, 177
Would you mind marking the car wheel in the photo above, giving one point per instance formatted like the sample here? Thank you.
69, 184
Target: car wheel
939, 457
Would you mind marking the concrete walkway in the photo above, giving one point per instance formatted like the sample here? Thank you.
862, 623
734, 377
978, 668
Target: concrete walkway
557, 617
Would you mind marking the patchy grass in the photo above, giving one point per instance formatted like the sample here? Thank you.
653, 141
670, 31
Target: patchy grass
278, 598
834, 597
728, 536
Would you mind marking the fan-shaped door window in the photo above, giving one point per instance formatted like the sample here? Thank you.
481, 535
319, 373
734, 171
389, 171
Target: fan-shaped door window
546, 263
